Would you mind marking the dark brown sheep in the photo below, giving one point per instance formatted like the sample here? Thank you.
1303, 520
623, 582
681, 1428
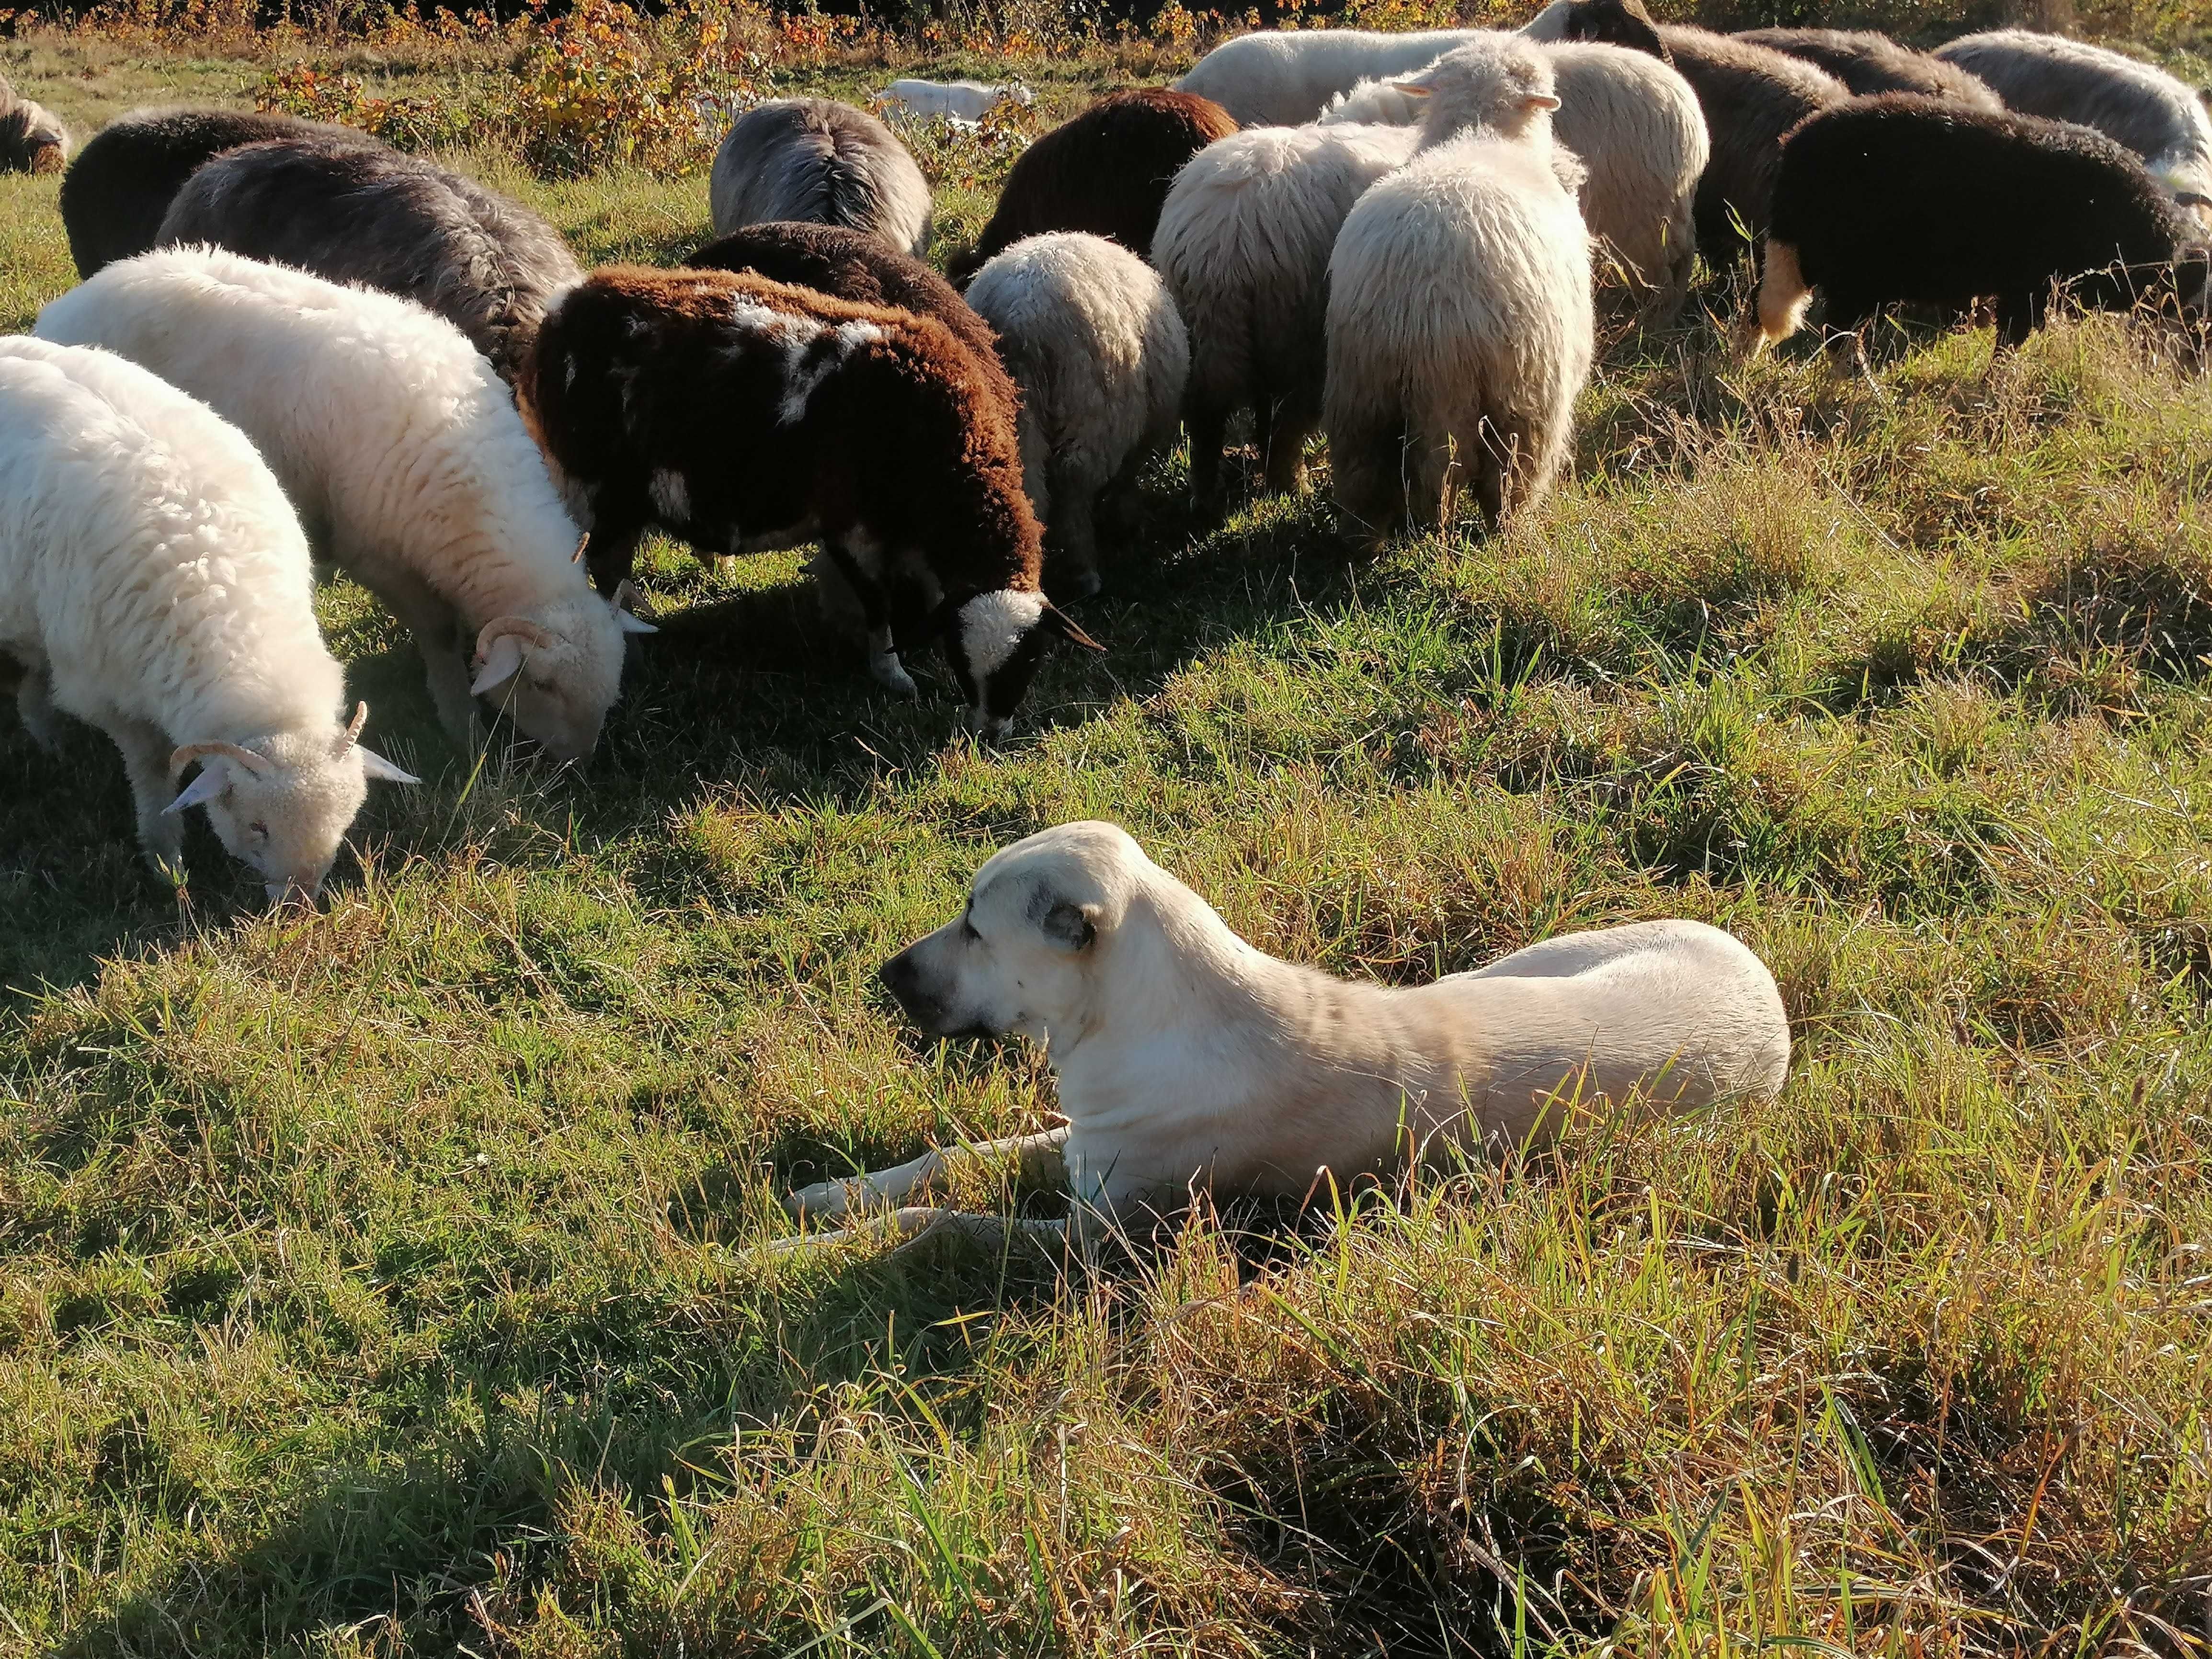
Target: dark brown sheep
1751, 95
1868, 63
114, 197
742, 414
851, 264
1105, 171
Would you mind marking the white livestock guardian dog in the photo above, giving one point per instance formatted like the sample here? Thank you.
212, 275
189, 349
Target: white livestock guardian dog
1187, 1058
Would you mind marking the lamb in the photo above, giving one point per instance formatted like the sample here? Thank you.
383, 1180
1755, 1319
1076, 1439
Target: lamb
31, 139
1906, 198
1243, 247
116, 194
850, 264
1281, 78
2145, 109
1868, 63
406, 459
1090, 335
1636, 126
1106, 172
742, 414
1752, 97
965, 102
822, 162
359, 213
155, 583
1460, 319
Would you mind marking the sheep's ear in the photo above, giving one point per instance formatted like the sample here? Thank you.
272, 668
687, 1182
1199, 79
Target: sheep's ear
1411, 89
1536, 101
214, 779
377, 769
501, 664
1056, 620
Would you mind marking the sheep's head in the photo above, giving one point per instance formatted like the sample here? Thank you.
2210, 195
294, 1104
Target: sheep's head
1373, 103
1503, 85
1617, 23
994, 642
283, 803
557, 672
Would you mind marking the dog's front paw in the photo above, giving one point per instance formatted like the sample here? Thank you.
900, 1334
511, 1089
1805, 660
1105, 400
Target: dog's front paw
825, 1200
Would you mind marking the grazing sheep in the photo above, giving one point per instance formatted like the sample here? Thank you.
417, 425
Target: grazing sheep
1900, 198
965, 102
1282, 77
1459, 322
1637, 127
824, 162
32, 140
742, 414
1868, 63
1243, 246
851, 264
118, 190
155, 583
404, 457
2145, 109
356, 213
1106, 172
1090, 335
1752, 96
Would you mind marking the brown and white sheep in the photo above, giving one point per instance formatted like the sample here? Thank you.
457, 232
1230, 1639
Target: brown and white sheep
743, 415
32, 139
1106, 172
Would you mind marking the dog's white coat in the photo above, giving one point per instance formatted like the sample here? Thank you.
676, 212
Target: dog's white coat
1185, 1055
963, 101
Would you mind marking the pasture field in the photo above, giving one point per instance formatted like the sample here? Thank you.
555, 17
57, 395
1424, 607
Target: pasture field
388, 1280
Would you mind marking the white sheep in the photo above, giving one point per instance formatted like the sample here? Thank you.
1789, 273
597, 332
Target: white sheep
1244, 245
1090, 335
963, 102
1460, 319
1280, 78
1637, 127
402, 450
155, 583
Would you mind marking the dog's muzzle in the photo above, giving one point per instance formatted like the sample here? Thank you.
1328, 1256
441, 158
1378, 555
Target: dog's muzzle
903, 979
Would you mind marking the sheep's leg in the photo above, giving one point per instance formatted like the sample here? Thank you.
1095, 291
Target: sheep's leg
1489, 462
1207, 424
146, 761
445, 648
1367, 483
1039, 1158
34, 701
1075, 558
611, 553
2019, 315
867, 595
1433, 473
1296, 420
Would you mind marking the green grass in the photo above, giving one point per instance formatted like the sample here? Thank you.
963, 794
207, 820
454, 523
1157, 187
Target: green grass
387, 1281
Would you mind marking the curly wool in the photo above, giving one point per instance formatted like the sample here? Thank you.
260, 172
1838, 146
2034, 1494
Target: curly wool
823, 162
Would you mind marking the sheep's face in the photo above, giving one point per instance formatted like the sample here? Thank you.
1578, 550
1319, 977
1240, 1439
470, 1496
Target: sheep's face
995, 641
1504, 86
282, 805
557, 674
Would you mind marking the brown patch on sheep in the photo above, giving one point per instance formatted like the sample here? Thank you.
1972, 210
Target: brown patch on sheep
1106, 172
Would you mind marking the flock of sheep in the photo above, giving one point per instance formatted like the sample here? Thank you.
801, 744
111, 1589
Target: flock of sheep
293, 342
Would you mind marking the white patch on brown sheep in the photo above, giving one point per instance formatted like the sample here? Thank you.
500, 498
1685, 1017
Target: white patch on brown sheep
992, 627
803, 378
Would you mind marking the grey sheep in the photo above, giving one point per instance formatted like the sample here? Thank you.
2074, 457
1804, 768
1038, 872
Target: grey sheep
824, 163
360, 214
32, 139
1868, 63
118, 190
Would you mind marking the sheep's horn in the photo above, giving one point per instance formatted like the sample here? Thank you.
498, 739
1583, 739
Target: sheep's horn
520, 627
353, 729
582, 542
186, 754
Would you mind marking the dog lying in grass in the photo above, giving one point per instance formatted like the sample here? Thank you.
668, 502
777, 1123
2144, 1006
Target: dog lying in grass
1186, 1058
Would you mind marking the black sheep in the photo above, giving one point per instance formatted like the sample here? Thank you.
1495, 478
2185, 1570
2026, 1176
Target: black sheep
1902, 198
114, 197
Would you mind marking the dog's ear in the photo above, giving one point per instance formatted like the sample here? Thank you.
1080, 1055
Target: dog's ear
1073, 927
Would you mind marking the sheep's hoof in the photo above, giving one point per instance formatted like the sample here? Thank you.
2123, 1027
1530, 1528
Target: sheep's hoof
892, 676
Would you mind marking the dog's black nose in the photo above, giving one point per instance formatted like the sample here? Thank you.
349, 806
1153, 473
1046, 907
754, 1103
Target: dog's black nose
898, 977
